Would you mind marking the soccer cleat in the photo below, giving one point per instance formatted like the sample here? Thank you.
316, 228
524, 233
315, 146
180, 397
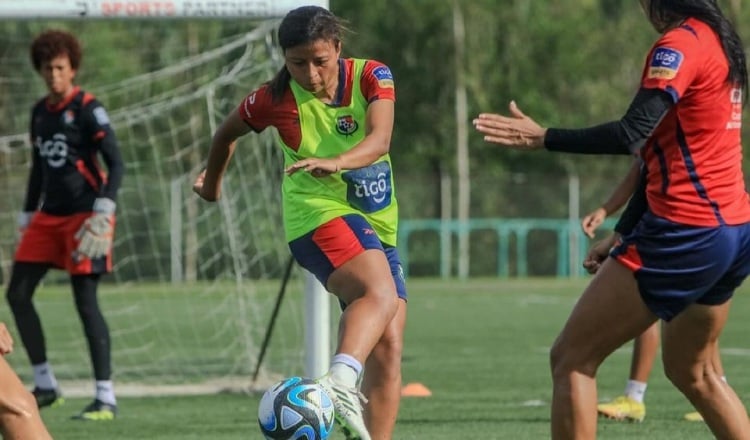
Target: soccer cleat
694, 416
623, 408
47, 397
97, 410
347, 408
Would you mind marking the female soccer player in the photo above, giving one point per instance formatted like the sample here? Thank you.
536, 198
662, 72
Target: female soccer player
68, 216
19, 415
630, 405
334, 117
691, 249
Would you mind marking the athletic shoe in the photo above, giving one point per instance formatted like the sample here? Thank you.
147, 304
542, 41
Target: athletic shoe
47, 397
347, 403
97, 410
623, 408
694, 416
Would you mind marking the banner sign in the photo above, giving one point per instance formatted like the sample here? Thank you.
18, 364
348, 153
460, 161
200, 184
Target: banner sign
158, 9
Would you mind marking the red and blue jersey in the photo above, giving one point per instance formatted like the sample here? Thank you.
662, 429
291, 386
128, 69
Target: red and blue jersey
260, 111
694, 156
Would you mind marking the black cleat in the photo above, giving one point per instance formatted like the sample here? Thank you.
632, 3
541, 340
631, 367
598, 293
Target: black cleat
47, 397
97, 410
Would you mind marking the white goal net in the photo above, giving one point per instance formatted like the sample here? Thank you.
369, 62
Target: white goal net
194, 283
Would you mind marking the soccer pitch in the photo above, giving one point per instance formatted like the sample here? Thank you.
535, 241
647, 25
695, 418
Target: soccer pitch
481, 346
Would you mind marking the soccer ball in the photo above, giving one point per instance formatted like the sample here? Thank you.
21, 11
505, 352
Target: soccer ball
296, 409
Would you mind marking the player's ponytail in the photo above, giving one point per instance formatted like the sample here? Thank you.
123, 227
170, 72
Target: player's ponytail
278, 84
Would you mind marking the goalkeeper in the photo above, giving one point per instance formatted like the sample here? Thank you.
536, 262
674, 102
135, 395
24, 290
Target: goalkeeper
334, 117
67, 220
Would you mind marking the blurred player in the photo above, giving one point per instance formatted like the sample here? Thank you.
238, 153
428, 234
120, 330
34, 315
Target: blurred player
691, 248
19, 415
629, 406
68, 216
334, 117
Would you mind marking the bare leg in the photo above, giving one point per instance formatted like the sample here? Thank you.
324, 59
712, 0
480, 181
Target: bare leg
382, 380
690, 352
645, 348
365, 284
586, 340
19, 416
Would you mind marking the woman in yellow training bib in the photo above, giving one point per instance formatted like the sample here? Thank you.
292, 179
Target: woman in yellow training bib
334, 117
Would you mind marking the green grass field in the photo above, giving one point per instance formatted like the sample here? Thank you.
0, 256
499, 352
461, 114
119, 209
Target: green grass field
480, 346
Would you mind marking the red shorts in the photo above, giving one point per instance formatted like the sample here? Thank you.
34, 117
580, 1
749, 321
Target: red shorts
51, 239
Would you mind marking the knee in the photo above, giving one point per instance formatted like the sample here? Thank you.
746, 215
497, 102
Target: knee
565, 359
16, 298
556, 358
687, 378
19, 406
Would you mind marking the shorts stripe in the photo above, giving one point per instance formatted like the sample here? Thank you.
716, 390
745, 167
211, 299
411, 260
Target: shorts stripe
337, 241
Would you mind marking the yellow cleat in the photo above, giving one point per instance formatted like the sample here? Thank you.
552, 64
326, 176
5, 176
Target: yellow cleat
694, 416
623, 408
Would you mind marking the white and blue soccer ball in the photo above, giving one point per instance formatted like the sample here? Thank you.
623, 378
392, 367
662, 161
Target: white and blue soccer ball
296, 409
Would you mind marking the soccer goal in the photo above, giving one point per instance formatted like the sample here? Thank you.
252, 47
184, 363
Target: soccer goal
194, 283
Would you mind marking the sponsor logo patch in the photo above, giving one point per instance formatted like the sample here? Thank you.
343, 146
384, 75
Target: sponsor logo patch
384, 76
665, 63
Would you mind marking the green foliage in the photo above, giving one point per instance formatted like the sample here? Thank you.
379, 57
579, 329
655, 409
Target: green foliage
569, 63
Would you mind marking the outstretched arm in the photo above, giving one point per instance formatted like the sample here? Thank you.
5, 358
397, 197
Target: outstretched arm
625, 136
208, 183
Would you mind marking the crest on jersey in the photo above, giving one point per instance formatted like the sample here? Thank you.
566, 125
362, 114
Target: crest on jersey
68, 117
346, 125
664, 64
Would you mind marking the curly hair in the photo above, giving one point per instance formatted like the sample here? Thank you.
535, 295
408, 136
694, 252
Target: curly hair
53, 43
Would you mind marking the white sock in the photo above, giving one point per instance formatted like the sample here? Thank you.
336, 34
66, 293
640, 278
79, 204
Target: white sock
635, 390
345, 370
724, 378
44, 377
105, 391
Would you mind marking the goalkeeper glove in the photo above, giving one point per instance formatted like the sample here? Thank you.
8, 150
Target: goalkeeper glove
23, 220
95, 235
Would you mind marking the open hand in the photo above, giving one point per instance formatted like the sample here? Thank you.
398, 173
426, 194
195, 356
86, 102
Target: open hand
318, 167
516, 131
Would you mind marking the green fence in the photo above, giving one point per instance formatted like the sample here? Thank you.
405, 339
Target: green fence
502, 247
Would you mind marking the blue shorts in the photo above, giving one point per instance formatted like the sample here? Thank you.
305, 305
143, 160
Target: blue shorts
326, 248
677, 265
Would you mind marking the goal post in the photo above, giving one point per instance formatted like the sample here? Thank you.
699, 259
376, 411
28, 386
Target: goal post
193, 283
